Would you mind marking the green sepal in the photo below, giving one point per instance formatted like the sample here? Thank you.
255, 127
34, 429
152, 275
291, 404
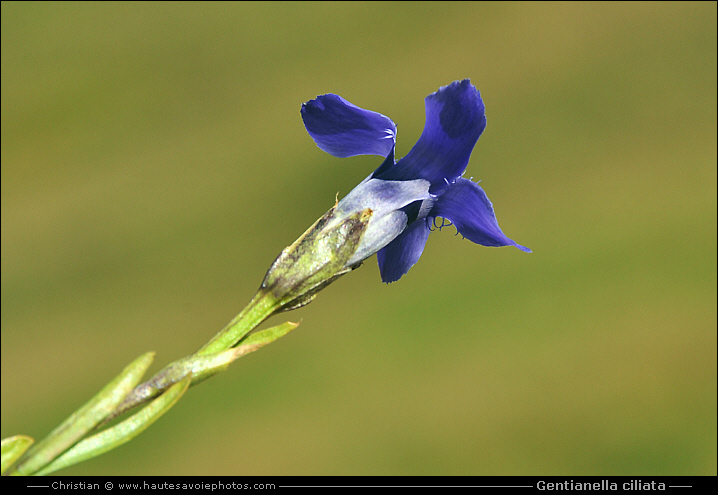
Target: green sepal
316, 259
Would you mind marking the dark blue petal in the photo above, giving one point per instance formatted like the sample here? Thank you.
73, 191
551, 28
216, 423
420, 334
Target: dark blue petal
454, 121
468, 208
343, 129
403, 252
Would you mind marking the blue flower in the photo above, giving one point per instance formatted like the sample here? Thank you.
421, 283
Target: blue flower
406, 196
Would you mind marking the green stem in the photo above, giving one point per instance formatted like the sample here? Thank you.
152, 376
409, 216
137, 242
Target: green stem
258, 310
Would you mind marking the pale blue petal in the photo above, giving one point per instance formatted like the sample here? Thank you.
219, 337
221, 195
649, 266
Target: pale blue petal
386, 199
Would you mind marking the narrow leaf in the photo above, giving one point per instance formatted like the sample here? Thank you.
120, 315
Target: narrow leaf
200, 365
264, 337
12, 448
220, 361
121, 433
84, 419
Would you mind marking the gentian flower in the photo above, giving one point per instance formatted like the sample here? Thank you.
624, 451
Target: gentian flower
405, 197
390, 212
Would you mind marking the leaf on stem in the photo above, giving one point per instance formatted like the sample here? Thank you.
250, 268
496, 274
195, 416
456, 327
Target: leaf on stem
12, 448
122, 432
201, 366
84, 419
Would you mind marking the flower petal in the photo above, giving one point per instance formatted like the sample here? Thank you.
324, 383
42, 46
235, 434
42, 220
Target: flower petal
466, 205
454, 121
403, 252
343, 129
383, 196
385, 199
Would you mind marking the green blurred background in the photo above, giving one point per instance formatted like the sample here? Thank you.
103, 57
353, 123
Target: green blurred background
154, 163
